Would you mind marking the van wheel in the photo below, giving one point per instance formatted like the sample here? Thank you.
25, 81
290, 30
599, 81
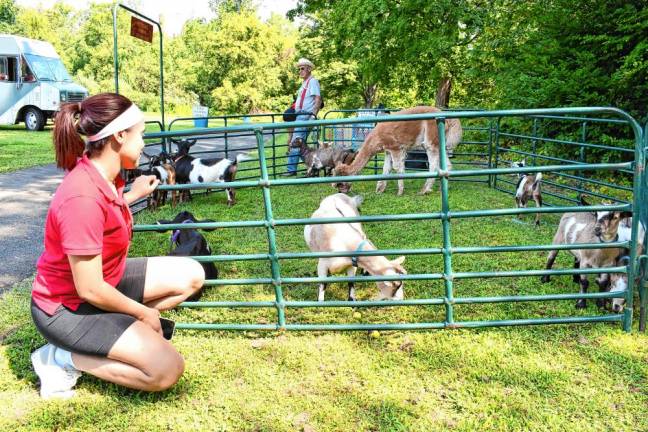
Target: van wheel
34, 119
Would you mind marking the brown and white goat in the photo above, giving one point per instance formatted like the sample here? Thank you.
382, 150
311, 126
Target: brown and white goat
397, 138
589, 227
619, 281
325, 157
345, 237
528, 187
165, 173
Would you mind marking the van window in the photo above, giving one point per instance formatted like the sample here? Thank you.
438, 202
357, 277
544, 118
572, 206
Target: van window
27, 74
7, 69
48, 68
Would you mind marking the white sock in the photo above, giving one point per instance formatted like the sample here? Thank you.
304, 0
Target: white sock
63, 358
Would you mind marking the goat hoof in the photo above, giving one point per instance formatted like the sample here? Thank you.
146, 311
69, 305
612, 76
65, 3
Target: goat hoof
544, 279
581, 304
600, 303
537, 223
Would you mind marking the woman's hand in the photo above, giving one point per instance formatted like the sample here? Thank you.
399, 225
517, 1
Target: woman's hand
142, 186
151, 317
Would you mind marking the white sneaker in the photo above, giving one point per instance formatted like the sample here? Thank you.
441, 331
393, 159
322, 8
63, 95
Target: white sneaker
56, 381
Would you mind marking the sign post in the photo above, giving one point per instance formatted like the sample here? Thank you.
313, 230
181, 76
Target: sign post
141, 28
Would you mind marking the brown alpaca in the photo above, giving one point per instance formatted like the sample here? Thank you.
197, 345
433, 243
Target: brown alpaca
396, 138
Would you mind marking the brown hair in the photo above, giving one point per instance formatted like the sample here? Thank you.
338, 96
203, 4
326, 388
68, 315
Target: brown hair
84, 118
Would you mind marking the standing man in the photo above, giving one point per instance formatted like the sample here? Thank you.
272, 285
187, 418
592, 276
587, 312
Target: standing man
307, 105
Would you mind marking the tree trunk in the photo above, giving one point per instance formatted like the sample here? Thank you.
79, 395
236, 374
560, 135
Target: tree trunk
369, 94
443, 92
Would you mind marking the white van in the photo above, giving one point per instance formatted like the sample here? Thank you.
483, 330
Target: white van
33, 82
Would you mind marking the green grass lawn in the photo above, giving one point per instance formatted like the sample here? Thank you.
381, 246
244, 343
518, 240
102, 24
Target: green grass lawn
20, 148
558, 378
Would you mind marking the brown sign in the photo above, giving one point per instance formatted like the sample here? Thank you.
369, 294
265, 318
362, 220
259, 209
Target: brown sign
141, 29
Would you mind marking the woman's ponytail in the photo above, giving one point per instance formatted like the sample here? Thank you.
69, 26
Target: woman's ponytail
85, 118
68, 144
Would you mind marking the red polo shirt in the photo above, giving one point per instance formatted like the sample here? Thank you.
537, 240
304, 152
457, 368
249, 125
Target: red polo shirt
84, 218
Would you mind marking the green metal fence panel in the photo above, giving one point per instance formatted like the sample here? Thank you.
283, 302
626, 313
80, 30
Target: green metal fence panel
496, 167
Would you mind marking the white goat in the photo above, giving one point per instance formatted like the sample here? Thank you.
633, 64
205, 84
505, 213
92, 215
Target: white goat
590, 227
344, 237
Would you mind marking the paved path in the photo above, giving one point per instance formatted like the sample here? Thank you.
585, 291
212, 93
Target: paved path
25, 196
24, 199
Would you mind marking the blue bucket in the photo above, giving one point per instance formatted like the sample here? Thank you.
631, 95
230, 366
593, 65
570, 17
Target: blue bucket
200, 123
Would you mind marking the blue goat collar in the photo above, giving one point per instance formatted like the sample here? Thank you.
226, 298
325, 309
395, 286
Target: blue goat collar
176, 233
354, 259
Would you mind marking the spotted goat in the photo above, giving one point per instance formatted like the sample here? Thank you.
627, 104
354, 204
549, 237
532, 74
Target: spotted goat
528, 187
589, 227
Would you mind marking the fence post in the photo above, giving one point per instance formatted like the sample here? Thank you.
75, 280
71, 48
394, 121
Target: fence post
445, 221
638, 190
581, 174
226, 142
497, 129
274, 150
534, 141
270, 229
490, 151
643, 217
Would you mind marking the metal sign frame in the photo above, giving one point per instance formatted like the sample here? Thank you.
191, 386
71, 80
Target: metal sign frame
116, 54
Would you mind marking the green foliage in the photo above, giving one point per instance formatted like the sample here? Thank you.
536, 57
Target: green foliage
8, 11
242, 64
566, 53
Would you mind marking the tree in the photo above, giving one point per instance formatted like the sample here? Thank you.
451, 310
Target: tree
8, 12
430, 40
239, 64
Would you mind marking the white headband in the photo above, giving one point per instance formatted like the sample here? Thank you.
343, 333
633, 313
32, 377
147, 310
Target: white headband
123, 121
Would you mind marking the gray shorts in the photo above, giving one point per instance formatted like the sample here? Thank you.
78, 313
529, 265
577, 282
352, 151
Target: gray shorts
90, 330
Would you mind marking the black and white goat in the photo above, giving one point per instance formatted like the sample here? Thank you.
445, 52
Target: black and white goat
528, 186
189, 242
589, 227
205, 170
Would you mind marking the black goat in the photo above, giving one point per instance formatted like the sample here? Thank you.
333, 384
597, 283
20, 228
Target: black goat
189, 242
205, 170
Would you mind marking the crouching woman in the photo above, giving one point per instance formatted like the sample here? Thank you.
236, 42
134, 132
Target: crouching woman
98, 309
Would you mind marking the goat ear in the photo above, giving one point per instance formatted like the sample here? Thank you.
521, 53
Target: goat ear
399, 261
163, 222
208, 221
358, 199
626, 214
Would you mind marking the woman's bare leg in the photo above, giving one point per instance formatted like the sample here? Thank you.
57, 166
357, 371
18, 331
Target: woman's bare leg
171, 280
140, 359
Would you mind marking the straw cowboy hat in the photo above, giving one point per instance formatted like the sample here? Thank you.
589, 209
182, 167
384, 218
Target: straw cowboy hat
305, 62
